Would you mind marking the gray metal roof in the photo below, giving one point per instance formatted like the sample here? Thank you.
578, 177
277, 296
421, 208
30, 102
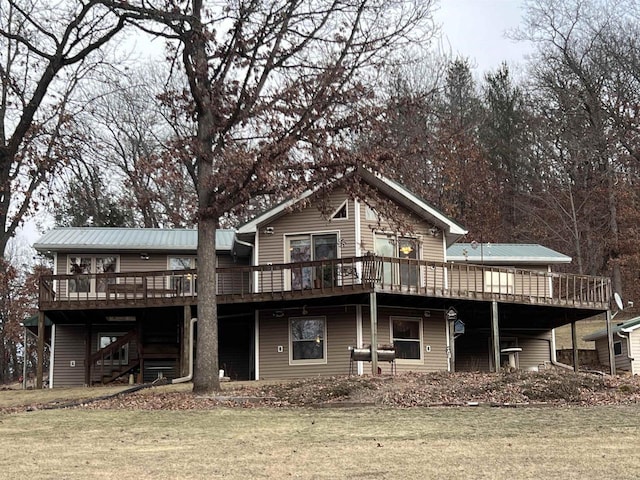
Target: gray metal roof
504, 253
625, 327
145, 239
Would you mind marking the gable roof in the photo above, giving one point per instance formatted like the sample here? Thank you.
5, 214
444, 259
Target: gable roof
625, 327
127, 239
394, 190
505, 253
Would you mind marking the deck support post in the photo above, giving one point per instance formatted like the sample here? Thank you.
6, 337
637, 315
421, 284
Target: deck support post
88, 367
373, 314
40, 363
495, 336
186, 332
612, 356
574, 343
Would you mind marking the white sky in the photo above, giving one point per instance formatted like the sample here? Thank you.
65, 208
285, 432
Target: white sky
476, 29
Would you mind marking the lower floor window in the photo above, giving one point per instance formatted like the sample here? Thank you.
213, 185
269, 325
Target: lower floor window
407, 338
119, 356
308, 339
617, 348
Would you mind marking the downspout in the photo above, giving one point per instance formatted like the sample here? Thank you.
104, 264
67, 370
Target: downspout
552, 352
190, 375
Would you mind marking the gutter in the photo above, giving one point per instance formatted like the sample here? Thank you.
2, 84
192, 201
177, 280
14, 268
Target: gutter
190, 375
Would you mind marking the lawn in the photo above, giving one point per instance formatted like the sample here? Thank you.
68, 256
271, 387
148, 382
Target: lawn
323, 443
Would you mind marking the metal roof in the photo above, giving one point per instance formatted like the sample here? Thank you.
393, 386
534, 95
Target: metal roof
504, 253
625, 327
146, 239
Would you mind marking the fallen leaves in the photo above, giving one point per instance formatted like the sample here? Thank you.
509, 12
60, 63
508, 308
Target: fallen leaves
551, 387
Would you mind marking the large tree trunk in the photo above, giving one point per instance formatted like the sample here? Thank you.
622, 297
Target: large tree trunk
206, 377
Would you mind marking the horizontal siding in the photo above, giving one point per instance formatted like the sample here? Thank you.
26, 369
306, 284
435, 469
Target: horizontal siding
473, 350
433, 335
96, 374
635, 351
431, 247
69, 345
274, 332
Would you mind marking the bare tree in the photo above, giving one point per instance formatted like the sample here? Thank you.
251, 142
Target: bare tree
42, 43
275, 89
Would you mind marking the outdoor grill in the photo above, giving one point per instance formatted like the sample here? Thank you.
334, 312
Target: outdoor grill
386, 353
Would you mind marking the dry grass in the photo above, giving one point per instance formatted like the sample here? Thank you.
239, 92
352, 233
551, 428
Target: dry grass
583, 328
461, 443
13, 397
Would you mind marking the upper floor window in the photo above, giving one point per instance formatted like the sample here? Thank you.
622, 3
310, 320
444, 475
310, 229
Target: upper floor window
307, 248
81, 265
341, 213
183, 283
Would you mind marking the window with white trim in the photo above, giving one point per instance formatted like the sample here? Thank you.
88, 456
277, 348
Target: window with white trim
499, 282
342, 213
617, 348
81, 265
180, 282
121, 355
307, 340
406, 336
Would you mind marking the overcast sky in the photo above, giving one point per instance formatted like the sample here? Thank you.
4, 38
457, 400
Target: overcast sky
476, 28
470, 28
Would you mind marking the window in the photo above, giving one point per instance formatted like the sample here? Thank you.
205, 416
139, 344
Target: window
307, 248
84, 265
617, 348
406, 335
499, 282
341, 212
181, 282
308, 340
118, 357
370, 214
405, 272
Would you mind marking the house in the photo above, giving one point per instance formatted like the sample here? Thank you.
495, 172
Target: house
300, 289
626, 345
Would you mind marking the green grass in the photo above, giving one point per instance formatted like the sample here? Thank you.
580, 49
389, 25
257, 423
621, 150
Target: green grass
369, 443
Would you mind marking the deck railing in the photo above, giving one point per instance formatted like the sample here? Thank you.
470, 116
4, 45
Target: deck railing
329, 277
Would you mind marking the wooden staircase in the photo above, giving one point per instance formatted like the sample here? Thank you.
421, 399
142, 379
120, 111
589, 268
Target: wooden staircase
109, 360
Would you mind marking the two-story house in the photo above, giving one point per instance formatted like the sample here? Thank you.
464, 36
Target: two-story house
300, 289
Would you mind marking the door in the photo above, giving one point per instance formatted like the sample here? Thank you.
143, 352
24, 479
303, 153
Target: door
306, 248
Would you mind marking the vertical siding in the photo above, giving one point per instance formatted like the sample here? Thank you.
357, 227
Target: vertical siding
635, 351
69, 347
274, 332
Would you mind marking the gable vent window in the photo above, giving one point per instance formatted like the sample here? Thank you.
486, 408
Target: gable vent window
341, 212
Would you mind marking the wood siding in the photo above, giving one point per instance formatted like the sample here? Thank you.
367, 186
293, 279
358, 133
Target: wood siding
69, 344
274, 332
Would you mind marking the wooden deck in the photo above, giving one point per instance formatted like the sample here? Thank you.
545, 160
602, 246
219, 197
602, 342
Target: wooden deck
324, 279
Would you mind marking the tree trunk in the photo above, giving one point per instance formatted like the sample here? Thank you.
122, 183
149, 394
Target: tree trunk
206, 377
